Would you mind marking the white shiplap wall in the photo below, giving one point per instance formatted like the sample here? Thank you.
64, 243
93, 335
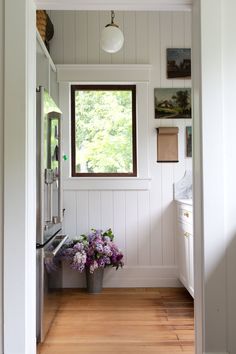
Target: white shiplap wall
143, 221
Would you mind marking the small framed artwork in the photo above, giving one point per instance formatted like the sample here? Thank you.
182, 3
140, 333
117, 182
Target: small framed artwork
167, 144
188, 141
178, 63
172, 103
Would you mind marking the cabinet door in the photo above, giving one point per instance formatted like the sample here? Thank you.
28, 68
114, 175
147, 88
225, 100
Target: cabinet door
191, 265
183, 255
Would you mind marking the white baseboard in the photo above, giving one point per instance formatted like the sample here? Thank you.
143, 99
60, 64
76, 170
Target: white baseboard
141, 276
215, 353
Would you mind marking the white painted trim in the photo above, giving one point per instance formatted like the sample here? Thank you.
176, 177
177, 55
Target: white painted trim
112, 183
128, 276
197, 181
142, 182
125, 5
104, 73
45, 51
1, 165
216, 353
20, 179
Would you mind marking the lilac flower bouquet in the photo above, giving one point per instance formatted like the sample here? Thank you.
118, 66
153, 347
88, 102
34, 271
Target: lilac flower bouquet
92, 251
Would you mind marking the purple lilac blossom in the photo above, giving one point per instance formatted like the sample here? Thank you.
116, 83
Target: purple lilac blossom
101, 262
99, 247
93, 266
78, 246
80, 257
92, 251
107, 250
107, 239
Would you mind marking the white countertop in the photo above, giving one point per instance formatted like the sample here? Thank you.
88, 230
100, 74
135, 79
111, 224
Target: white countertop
184, 201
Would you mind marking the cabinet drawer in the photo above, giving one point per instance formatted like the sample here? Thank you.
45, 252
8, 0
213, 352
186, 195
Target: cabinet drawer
185, 215
185, 229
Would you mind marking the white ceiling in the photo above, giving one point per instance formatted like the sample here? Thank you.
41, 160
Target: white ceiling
125, 5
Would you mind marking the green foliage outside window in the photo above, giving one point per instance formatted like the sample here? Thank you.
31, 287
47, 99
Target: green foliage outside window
103, 131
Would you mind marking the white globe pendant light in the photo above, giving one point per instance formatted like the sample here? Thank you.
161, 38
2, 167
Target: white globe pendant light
112, 38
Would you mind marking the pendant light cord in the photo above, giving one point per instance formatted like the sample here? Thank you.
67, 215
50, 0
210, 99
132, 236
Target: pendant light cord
112, 20
112, 17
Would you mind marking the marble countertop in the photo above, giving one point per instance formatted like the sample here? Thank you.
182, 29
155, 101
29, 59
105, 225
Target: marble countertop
184, 201
183, 188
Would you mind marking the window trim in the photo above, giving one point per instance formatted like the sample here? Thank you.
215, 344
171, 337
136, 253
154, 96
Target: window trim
101, 87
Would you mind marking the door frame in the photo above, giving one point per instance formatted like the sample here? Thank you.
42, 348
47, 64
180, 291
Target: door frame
19, 177
20, 218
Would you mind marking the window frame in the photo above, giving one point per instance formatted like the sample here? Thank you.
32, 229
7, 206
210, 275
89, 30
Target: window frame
103, 87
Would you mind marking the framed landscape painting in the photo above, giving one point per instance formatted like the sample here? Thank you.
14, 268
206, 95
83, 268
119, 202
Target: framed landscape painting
172, 103
188, 141
178, 63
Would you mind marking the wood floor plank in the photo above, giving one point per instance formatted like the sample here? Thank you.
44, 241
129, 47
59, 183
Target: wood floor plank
122, 321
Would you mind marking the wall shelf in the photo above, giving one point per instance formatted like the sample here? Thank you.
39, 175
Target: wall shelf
45, 51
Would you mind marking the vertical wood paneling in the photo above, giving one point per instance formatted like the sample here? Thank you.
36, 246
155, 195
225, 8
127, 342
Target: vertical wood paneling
81, 37
166, 42
93, 37
188, 38
155, 48
131, 202
142, 38
82, 212
104, 19
119, 213
142, 131
69, 37
56, 44
94, 210
143, 221
188, 29
178, 25
129, 35
118, 58
143, 228
188, 164
106, 210
179, 168
178, 38
168, 215
167, 218
156, 242
69, 223
156, 236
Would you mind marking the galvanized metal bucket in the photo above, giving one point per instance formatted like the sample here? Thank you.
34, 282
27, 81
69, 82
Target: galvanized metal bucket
94, 281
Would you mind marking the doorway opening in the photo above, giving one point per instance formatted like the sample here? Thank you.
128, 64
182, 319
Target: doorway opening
156, 236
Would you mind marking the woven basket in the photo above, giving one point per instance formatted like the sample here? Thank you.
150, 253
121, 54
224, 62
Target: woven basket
41, 18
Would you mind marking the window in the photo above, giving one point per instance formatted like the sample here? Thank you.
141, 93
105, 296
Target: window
103, 128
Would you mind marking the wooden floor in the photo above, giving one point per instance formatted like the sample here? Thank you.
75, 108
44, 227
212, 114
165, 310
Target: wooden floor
123, 321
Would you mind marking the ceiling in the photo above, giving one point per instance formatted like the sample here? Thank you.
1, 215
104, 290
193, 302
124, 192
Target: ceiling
125, 5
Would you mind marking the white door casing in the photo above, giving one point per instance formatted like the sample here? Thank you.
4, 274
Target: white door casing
19, 178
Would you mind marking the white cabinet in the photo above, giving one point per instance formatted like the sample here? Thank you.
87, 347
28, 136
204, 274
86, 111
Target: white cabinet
185, 245
46, 75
